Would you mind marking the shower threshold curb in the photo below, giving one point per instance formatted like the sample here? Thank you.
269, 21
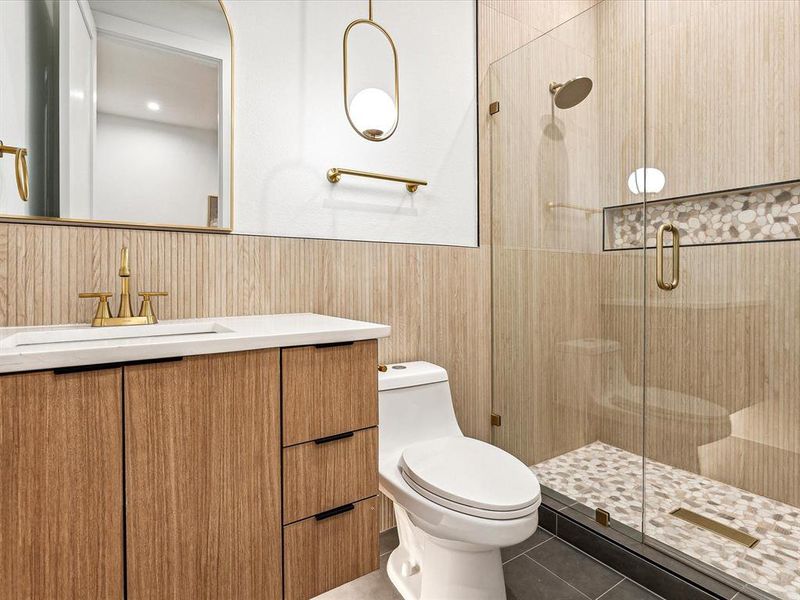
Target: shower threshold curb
640, 562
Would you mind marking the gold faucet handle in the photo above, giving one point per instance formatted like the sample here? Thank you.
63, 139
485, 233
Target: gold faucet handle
102, 312
146, 310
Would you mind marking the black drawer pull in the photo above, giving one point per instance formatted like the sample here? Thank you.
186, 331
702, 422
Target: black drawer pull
114, 365
333, 438
333, 344
333, 512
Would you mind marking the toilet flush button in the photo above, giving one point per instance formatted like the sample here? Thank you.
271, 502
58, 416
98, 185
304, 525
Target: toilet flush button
398, 367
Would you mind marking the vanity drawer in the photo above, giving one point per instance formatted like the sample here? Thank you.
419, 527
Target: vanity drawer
329, 472
328, 389
325, 551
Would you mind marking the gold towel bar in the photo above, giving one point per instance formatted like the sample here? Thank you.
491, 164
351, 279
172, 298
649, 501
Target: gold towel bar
335, 174
588, 211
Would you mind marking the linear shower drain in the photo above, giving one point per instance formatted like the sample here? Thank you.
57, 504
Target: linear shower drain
735, 535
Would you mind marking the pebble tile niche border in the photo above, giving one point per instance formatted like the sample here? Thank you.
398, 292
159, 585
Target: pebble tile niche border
763, 213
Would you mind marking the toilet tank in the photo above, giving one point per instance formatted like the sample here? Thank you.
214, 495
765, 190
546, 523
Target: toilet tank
414, 405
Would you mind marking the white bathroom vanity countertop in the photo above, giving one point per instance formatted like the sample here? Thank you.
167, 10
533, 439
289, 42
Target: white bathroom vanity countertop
59, 346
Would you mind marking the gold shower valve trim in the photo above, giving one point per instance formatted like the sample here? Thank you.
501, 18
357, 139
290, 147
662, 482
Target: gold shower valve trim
334, 175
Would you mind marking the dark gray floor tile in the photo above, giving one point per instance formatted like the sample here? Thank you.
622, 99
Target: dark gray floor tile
653, 554
389, 540
575, 567
528, 580
627, 590
634, 567
539, 536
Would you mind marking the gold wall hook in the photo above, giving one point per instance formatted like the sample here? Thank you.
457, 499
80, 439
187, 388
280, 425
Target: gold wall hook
20, 168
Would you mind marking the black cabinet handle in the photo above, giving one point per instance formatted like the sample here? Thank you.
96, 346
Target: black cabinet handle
333, 344
333, 438
114, 365
333, 512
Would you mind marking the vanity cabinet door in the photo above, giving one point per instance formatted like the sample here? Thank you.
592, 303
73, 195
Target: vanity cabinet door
203, 477
61, 485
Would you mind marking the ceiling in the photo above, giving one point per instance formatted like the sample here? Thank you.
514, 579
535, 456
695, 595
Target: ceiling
200, 19
131, 74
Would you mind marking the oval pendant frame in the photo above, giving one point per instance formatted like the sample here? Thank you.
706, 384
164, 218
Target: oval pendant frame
388, 134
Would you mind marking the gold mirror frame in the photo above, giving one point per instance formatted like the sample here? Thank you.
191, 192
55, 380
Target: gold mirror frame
153, 226
369, 21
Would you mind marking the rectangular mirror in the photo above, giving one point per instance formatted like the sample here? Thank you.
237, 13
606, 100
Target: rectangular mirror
117, 112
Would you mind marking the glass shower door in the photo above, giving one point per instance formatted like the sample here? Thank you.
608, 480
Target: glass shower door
567, 303
722, 401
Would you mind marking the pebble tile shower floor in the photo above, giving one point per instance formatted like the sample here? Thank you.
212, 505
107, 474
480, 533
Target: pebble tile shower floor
600, 475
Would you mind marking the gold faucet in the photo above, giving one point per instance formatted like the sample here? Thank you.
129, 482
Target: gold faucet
102, 316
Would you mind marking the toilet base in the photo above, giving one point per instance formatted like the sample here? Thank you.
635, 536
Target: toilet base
423, 567
408, 585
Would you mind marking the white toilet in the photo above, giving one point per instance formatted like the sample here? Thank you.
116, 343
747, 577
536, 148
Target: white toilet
457, 500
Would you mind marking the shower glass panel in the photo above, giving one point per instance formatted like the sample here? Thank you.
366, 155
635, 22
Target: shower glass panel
723, 348
567, 315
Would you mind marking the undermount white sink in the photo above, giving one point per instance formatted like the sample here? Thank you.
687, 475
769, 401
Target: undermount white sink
94, 334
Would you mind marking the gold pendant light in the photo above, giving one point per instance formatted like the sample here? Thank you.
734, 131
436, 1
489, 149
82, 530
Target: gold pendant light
372, 113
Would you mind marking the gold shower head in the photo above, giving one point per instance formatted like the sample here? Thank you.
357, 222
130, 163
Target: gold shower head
571, 93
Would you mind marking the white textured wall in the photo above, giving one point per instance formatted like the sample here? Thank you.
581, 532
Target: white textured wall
154, 172
290, 124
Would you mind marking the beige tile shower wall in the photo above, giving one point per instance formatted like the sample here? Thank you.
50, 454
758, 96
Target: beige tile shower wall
723, 91
437, 299
543, 300
722, 95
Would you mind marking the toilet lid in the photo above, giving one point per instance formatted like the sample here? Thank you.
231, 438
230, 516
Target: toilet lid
471, 473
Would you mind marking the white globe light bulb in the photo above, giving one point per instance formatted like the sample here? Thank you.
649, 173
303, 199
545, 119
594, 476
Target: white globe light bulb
372, 112
646, 180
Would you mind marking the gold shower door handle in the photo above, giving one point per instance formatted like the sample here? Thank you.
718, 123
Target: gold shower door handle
676, 253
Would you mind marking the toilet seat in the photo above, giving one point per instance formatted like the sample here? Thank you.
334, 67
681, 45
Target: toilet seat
471, 477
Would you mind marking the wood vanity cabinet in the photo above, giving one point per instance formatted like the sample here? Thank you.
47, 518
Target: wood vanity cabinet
61, 485
202, 477
242, 476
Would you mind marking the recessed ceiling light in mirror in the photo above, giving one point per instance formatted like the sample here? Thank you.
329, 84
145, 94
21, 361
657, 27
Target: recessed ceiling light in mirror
154, 106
